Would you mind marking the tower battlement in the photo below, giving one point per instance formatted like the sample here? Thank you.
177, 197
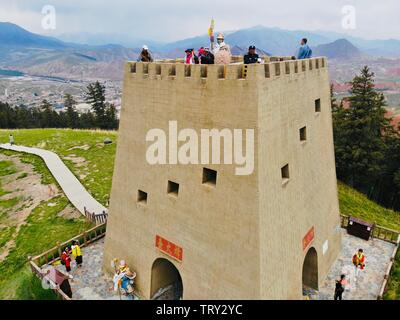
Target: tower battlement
271, 70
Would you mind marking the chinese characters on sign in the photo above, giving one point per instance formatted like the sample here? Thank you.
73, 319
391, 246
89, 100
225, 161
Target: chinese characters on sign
308, 238
169, 248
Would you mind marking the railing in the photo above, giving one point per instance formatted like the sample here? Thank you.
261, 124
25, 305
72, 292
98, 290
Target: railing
96, 218
384, 234
50, 256
55, 287
388, 273
378, 232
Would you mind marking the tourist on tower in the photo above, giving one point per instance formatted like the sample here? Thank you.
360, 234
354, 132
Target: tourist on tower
305, 51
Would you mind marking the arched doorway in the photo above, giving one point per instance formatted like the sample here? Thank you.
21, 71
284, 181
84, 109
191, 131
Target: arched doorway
310, 270
166, 282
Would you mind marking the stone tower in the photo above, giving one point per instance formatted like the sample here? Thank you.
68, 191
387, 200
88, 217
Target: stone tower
200, 230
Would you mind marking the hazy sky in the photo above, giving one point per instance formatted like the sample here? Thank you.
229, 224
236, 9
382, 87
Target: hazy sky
168, 20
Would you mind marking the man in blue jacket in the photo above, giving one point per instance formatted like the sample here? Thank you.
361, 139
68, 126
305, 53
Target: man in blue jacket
305, 51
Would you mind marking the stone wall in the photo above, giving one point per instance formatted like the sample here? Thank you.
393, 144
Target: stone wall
242, 238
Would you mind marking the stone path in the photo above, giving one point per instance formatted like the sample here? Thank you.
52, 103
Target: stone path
89, 281
369, 281
71, 186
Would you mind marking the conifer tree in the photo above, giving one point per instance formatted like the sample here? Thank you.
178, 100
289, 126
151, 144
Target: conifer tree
72, 117
359, 131
96, 97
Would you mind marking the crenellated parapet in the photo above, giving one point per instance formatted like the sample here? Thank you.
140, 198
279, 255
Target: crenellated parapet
276, 68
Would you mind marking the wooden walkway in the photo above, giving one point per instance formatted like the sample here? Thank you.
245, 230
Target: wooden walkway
71, 186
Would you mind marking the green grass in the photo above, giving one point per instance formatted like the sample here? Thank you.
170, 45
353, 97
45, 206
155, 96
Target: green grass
42, 230
22, 176
6, 168
96, 176
30, 287
6, 234
355, 204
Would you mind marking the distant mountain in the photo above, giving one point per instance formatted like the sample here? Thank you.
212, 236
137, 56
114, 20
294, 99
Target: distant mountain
378, 48
273, 40
285, 42
339, 49
38, 55
13, 35
21, 50
240, 51
97, 39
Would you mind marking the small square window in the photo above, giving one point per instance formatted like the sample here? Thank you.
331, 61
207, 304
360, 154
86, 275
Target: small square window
303, 134
285, 173
318, 105
209, 176
142, 197
173, 188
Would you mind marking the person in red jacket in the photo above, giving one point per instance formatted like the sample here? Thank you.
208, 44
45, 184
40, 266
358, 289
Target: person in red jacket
66, 259
359, 261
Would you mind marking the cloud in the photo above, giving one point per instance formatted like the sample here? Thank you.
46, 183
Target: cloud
176, 19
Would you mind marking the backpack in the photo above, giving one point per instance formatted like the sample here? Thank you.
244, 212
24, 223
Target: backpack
339, 286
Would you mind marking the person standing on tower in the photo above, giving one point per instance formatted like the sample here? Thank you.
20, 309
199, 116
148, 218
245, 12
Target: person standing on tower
145, 55
222, 51
305, 51
190, 57
251, 56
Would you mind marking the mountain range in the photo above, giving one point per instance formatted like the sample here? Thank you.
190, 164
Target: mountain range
41, 55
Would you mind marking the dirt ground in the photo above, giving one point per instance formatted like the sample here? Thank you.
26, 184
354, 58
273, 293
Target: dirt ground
30, 193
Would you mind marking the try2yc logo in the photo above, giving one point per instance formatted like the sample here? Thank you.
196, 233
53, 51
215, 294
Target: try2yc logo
201, 310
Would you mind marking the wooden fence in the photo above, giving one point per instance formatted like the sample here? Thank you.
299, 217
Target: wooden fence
384, 234
96, 218
388, 273
50, 256
378, 232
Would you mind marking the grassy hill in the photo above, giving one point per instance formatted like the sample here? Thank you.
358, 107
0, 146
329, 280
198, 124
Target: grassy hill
30, 223
83, 151
92, 162
358, 205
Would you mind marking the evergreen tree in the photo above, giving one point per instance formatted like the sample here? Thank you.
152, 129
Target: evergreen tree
111, 117
359, 132
87, 121
46, 115
96, 97
72, 117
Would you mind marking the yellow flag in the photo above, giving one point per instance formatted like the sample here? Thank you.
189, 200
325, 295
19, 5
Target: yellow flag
211, 28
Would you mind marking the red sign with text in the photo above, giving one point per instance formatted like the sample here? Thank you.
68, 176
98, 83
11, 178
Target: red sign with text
169, 248
308, 238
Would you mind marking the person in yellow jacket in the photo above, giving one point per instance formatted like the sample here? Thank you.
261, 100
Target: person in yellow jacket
359, 261
76, 252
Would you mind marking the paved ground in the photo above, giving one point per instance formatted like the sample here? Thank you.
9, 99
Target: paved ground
368, 284
91, 284
71, 186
